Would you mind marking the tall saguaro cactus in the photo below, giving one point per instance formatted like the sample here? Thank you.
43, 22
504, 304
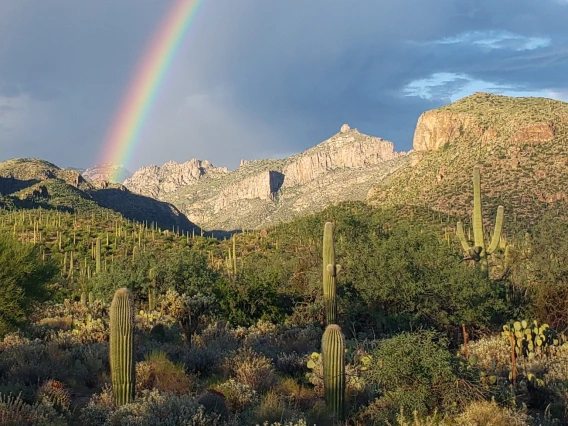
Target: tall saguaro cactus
333, 354
478, 252
330, 270
122, 366
98, 256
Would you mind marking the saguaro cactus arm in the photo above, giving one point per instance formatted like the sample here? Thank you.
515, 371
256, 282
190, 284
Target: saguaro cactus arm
462, 238
477, 218
497, 232
330, 270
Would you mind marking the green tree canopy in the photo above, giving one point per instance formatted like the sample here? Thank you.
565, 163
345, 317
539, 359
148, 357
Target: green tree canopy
23, 279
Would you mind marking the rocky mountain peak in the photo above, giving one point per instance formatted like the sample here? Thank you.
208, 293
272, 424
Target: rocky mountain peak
262, 191
155, 181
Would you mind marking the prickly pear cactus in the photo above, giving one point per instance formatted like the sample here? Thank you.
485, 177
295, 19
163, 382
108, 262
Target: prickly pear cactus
122, 346
530, 338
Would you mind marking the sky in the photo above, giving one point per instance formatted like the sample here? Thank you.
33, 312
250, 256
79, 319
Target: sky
263, 78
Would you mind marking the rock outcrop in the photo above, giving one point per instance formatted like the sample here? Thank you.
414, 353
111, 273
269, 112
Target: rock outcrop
436, 128
520, 144
483, 117
348, 149
263, 192
155, 182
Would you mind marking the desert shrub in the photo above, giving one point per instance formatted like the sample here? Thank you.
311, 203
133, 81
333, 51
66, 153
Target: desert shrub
158, 372
416, 372
291, 364
186, 270
252, 369
543, 264
257, 291
190, 311
273, 408
23, 279
132, 273
33, 362
239, 396
15, 412
299, 396
395, 271
485, 413
214, 402
149, 409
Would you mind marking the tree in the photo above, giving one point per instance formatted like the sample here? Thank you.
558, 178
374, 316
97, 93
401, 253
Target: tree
23, 279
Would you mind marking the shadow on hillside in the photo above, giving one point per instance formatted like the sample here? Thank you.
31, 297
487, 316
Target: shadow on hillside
221, 234
140, 208
9, 185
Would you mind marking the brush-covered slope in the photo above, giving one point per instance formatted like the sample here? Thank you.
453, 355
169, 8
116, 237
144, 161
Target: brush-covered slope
31, 183
261, 193
520, 145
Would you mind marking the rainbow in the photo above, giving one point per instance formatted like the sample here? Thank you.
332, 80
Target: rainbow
150, 72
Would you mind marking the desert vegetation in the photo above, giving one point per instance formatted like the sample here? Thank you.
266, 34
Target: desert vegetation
357, 315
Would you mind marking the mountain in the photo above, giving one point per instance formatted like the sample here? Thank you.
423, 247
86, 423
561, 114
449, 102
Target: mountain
32, 183
520, 145
157, 182
107, 172
261, 193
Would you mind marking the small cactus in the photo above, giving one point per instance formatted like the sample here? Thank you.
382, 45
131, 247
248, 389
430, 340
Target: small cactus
333, 354
55, 394
122, 346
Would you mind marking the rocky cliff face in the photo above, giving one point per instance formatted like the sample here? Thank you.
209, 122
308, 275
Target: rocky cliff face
349, 149
520, 144
262, 192
436, 128
483, 117
156, 182
107, 172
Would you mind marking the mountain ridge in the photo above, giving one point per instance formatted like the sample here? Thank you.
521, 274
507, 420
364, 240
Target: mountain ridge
260, 193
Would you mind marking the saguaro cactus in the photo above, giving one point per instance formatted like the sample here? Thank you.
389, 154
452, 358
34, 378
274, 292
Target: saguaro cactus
122, 346
330, 270
98, 256
477, 252
333, 354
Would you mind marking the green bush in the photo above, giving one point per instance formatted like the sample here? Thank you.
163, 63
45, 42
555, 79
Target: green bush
23, 280
416, 372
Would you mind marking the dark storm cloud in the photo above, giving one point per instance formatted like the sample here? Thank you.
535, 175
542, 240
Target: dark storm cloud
257, 78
